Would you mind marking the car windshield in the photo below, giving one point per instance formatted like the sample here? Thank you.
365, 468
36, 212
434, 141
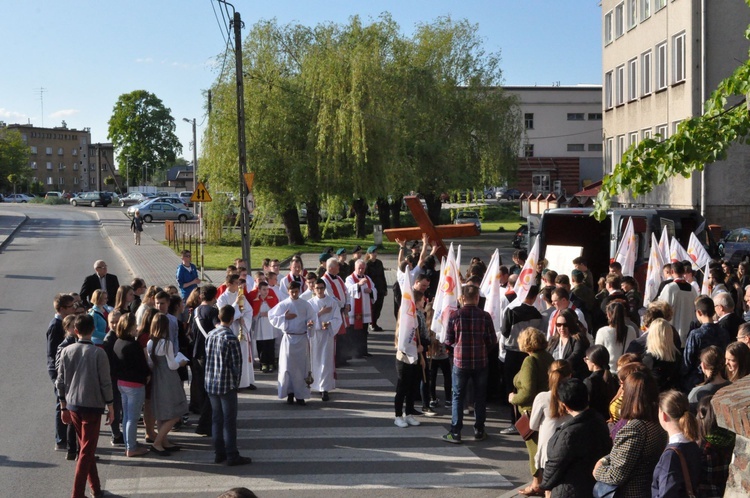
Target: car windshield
467, 214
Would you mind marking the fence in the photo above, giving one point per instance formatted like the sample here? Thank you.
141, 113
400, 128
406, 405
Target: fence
182, 236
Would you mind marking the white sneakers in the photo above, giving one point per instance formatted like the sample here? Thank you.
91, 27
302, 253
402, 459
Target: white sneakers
405, 421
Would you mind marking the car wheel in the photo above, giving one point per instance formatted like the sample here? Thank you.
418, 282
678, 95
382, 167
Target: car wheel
148, 218
182, 218
75, 203
93, 204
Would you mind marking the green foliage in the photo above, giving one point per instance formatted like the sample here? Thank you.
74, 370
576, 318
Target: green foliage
142, 131
699, 141
14, 157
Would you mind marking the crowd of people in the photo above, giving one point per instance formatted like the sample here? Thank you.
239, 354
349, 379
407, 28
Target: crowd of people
612, 395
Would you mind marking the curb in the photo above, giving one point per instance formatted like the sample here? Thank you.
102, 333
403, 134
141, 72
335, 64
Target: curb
10, 236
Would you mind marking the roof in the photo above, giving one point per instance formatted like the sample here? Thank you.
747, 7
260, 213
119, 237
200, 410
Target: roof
590, 191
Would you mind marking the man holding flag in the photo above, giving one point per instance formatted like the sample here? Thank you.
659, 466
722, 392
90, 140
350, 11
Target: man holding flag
471, 334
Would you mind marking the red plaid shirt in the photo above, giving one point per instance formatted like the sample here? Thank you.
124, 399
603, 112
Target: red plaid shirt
472, 335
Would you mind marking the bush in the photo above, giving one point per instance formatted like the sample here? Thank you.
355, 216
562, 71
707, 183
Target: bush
49, 201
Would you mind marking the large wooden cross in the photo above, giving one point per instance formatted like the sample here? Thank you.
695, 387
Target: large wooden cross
435, 233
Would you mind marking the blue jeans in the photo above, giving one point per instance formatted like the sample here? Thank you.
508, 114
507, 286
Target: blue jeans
461, 377
132, 402
224, 424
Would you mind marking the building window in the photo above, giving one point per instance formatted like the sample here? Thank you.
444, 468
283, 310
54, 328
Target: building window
61, 166
576, 147
620, 85
633, 139
528, 150
540, 183
49, 180
645, 9
49, 165
646, 133
595, 147
620, 148
675, 125
528, 120
61, 180
60, 151
608, 90
608, 28
75, 151
595, 116
33, 165
75, 180
576, 116
678, 58
632, 13
33, 149
662, 130
646, 73
659, 4
661, 66
75, 166
620, 20
633, 79
608, 155
34, 179
49, 151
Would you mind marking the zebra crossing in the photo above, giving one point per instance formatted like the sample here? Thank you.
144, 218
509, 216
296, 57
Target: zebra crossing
346, 444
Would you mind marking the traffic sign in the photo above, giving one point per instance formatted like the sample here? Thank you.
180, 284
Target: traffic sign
249, 178
201, 194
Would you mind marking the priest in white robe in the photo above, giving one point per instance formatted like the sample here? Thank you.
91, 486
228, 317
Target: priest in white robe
294, 317
362, 294
327, 323
243, 320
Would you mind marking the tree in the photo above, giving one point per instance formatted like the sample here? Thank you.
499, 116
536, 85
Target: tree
142, 132
698, 141
14, 156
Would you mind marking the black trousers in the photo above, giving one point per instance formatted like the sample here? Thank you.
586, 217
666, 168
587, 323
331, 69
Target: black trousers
512, 365
406, 387
377, 307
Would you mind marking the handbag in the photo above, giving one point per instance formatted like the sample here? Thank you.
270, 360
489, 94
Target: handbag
522, 425
604, 490
685, 472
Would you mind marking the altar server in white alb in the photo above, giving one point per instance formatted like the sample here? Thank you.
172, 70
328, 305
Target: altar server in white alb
241, 326
327, 323
362, 294
294, 316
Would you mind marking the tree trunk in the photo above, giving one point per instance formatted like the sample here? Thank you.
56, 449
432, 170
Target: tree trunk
396, 212
360, 213
384, 213
434, 205
291, 226
313, 220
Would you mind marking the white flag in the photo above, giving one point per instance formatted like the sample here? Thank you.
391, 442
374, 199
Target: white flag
627, 250
704, 287
664, 245
697, 252
527, 278
495, 302
407, 318
446, 296
677, 252
654, 274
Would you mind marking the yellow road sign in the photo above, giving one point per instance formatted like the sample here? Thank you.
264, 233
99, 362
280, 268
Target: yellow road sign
201, 194
249, 178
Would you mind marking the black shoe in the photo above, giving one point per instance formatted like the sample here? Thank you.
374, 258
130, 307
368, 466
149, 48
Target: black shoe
118, 440
159, 452
325, 396
428, 412
480, 435
416, 413
251, 387
174, 447
72, 455
342, 363
367, 355
61, 446
220, 458
377, 328
301, 402
290, 399
240, 460
201, 431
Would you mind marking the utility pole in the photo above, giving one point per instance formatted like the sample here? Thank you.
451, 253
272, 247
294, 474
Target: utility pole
241, 144
99, 167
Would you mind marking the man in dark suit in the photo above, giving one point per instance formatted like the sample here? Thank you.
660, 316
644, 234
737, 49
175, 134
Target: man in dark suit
100, 280
727, 319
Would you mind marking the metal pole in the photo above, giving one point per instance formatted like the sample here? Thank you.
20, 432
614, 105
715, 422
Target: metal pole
244, 225
195, 164
99, 167
200, 229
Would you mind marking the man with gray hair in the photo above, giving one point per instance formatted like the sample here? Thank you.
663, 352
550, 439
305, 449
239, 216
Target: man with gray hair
99, 280
726, 318
336, 288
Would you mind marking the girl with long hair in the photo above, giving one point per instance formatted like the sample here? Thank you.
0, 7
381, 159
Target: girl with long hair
142, 336
602, 384
569, 343
712, 364
717, 446
662, 356
737, 357
617, 335
123, 298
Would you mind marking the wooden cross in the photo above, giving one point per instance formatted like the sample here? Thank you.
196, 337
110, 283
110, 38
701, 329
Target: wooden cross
435, 233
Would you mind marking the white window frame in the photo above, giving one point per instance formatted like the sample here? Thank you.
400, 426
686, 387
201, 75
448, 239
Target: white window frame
660, 73
633, 139
678, 58
528, 150
49, 165
608, 90
528, 121
33, 149
48, 151
646, 133
621, 148
675, 125
662, 130
620, 86
633, 79
75, 180
645, 9
540, 183
49, 181
33, 165
619, 20
646, 70
61, 180
608, 26
632, 14
659, 4
608, 155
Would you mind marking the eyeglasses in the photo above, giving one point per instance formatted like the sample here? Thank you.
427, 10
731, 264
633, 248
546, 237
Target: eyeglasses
101, 267
558, 324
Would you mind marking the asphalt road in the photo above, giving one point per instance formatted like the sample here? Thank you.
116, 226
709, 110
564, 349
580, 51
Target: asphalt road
347, 447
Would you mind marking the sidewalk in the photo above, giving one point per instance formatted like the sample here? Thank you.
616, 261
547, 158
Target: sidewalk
10, 223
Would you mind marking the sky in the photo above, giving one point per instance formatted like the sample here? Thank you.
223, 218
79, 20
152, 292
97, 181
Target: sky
70, 60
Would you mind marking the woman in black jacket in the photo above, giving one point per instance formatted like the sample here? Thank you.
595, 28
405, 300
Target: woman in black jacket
132, 373
602, 384
569, 342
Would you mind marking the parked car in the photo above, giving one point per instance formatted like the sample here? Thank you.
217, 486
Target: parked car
509, 194
735, 247
185, 195
92, 199
53, 194
2, 199
161, 211
521, 237
171, 199
18, 198
133, 198
468, 217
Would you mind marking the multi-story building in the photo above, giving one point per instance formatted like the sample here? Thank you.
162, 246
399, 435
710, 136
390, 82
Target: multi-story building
661, 61
64, 158
562, 145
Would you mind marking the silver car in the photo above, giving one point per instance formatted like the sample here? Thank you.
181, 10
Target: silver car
468, 217
161, 211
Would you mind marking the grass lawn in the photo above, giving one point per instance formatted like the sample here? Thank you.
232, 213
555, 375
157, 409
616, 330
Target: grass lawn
499, 226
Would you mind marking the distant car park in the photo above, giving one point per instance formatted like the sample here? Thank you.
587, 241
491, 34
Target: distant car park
468, 217
20, 198
133, 198
161, 211
185, 196
92, 199
508, 194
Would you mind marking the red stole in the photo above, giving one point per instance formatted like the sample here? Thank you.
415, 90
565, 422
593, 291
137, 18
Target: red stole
339, 294
358, 322
272, 300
